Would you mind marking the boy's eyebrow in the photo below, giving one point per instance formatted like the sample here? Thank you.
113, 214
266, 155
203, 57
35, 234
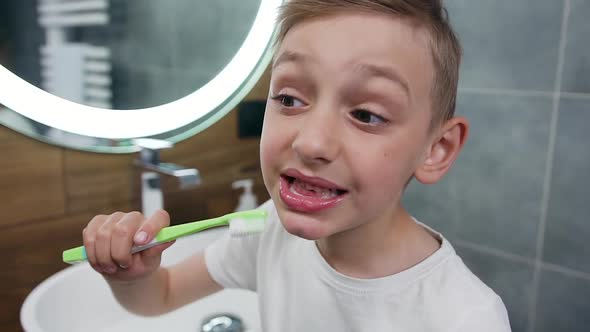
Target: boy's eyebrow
367, 69
384, 72
289, 56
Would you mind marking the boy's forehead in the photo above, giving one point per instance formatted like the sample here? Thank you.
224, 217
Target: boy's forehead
364, 21
354, 33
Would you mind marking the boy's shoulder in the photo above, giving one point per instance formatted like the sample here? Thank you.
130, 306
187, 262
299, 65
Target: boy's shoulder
446, 272
455, 282
454, 293
457, 295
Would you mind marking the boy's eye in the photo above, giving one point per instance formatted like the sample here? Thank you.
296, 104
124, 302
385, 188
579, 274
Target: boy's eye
367, 117
289, 101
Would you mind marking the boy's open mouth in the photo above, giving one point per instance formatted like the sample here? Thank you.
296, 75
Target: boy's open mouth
309, 194
305, 188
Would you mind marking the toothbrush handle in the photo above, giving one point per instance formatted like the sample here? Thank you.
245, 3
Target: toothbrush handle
170, 233
78, 254
153, 243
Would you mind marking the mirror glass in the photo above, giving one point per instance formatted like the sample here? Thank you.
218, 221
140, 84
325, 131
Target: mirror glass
87, 69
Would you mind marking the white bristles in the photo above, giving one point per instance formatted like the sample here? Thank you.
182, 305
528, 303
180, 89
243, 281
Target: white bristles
248, 226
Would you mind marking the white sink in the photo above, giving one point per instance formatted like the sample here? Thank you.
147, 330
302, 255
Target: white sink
78, 299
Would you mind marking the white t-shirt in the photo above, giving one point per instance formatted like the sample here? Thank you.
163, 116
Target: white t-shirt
299, 291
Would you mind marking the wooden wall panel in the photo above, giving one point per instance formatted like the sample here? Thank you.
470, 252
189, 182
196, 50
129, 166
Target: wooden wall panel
97, 182
31, 183
9, 135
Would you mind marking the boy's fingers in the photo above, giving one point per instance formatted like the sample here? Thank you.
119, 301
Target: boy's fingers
122, 238
151, 227
103, 243
89, 239
89, 242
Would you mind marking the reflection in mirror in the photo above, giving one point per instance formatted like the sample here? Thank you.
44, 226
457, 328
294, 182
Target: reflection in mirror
115, 70
122, 54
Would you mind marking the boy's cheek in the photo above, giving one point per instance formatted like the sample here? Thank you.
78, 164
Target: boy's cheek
270, 126
268, 153
274, 133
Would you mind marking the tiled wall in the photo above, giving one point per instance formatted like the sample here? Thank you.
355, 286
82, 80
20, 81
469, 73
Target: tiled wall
516, 205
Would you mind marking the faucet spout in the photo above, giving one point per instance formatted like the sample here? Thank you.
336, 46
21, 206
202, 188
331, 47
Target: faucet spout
149, 161
187, 177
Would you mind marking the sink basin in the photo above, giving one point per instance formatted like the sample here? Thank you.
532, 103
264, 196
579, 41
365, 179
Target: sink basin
78, 299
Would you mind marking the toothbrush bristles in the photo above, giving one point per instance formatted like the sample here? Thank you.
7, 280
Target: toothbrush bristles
243, 227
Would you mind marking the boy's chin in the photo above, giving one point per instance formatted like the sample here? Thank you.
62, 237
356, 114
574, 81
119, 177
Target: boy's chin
305, 227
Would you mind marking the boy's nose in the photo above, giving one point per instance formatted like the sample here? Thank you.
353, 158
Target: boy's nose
317, 139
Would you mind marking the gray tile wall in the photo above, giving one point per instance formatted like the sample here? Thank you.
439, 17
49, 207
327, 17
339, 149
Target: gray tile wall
517, 202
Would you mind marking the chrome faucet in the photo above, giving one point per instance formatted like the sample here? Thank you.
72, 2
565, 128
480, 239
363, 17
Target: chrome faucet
152, 197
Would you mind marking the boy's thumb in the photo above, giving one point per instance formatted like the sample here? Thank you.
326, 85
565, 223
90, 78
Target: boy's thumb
141, 237
151, 226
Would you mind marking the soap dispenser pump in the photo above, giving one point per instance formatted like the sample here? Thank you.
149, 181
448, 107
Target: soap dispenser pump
247, 200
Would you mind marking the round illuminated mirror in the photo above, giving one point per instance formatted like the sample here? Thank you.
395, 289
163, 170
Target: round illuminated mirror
96, 74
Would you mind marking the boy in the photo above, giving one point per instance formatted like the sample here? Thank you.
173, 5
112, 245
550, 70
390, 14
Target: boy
361, 101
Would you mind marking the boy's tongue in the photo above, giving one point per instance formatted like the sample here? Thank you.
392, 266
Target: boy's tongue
307, 189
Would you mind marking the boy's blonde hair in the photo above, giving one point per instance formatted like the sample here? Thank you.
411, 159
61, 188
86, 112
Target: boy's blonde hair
445, 46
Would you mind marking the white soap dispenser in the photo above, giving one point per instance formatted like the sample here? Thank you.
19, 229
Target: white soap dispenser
247, 200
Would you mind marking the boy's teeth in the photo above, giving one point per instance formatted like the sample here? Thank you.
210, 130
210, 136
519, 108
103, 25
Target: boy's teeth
319, 191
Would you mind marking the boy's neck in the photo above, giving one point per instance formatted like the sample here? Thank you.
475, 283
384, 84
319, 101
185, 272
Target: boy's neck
380, 248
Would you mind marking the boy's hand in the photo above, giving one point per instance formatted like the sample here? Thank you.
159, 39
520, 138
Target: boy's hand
108, 241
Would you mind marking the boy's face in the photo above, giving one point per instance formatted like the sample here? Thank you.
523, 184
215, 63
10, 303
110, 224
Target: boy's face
347, 121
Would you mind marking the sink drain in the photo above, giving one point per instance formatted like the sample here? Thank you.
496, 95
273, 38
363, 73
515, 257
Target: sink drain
222, 323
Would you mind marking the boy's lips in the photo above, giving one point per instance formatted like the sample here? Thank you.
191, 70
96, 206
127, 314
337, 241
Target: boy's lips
308, 194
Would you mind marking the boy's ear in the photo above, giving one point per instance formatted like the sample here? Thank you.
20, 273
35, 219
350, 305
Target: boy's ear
443, 150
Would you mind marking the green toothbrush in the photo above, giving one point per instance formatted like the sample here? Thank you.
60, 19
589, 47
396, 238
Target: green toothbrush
240, 223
